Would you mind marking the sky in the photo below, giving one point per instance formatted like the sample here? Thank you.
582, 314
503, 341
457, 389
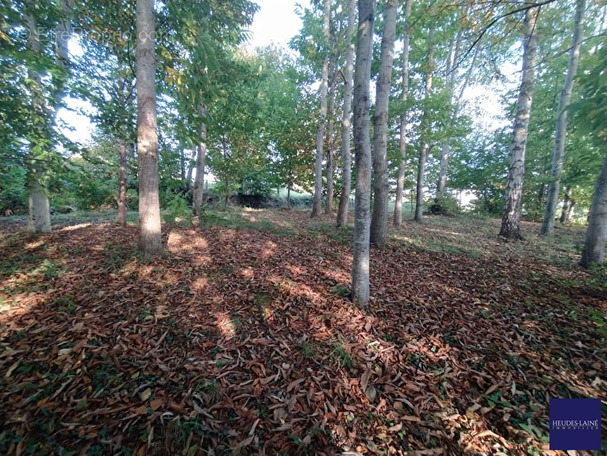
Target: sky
275, 23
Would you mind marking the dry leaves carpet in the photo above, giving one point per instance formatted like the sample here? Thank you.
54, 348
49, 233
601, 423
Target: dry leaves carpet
241, 340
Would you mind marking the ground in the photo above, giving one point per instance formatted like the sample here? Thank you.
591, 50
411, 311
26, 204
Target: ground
241, 339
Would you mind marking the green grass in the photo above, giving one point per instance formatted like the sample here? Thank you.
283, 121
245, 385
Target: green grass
239, 223
343, 235
341, 356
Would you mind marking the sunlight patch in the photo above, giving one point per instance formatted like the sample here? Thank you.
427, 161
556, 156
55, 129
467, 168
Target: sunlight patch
199, 284
225, 324
246, 273
76, 227
34, 245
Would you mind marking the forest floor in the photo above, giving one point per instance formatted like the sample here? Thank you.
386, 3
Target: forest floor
241, 339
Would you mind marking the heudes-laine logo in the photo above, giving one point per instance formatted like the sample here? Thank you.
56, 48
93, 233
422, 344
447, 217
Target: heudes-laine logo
575, 424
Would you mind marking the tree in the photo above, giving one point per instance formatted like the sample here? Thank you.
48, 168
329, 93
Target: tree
201, 153
346, 154
43, 110
452, 60
514, 185
591, 117
424, 130
561, 123
362, 153
150, 241
596, 233
400, 182
39, 215
320, 137
379, 221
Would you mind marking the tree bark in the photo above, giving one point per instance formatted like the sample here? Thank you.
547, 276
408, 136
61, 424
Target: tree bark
596, 233
379, 221
122, 184
346, 157
150, 241
39, 213
561, 123
320, 136
362, 153
330, 187
514, 186
198, 196
442, 172
451, 71
400, 182
425, 130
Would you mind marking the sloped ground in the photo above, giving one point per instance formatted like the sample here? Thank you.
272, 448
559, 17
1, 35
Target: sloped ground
241, 340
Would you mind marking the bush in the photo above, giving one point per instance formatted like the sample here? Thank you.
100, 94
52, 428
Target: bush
178, 211
445, 205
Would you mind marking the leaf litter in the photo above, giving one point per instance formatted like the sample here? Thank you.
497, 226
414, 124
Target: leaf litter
241, 341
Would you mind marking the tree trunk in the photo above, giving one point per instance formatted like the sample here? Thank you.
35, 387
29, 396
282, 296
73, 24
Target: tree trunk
320, 136
565, 208
379, 221
330, 189
442, 173
198, 196
190, 171
514, 186
451, 72
346, 157
569, 209
289, 185
596, 233
561, 123
150, 241
400, 182
425, 131
362, 153
39, 215
226, 197
122, 184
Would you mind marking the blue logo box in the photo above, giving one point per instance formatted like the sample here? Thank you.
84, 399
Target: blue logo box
575, 424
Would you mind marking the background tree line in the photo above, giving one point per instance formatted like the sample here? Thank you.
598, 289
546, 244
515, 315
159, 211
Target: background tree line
175, 97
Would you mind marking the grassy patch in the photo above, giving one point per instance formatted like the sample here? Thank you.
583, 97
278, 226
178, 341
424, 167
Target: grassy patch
341, 356
343, 235
238, 222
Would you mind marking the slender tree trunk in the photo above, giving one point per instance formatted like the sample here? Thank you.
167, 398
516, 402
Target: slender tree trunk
400, 182
190, 171
563, 218
346, 157
226, 198
425, 131
446, 147
362, 153
379, 221
596, 233
320, 136
150, 241
442, 173
561, 123
330, 191
569, 210
289, 185
198, 196
514, 186
330, 142
122, 184
39, 214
